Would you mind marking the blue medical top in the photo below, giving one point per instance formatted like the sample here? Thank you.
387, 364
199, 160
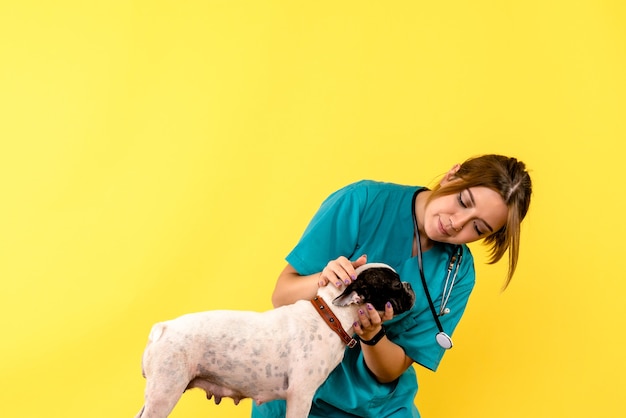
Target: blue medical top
376, 219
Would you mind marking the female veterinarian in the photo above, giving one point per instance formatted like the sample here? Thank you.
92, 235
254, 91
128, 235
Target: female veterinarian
421, 233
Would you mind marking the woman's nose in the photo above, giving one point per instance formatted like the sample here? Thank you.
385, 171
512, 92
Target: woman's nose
459, 220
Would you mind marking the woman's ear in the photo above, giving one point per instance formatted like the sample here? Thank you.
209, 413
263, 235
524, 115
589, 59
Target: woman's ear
450, 175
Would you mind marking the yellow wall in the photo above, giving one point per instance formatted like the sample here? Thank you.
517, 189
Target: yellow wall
161, 157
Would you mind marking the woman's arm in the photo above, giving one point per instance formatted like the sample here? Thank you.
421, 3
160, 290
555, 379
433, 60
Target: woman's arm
292, 287
386, 360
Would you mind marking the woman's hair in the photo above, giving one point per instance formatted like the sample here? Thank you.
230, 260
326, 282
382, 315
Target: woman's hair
508, 177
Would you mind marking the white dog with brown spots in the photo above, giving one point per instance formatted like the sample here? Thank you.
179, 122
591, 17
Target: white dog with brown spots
284, 353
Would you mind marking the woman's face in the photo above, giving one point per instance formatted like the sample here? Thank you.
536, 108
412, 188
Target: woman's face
472, 214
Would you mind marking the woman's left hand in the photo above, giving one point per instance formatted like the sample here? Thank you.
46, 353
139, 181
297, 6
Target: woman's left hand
370, 322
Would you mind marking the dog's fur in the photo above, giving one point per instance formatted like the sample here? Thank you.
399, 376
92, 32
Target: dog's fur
284, 353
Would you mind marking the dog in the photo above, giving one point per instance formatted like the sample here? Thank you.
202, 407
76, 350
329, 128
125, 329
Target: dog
284, 353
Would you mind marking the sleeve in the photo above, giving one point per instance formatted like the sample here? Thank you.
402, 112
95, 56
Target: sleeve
332, 232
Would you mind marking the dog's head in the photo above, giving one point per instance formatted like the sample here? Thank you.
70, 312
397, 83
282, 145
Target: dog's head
378, 284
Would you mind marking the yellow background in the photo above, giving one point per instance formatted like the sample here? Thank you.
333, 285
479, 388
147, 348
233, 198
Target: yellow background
162, 157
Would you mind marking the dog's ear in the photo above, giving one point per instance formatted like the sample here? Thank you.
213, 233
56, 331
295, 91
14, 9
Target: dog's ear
348, 297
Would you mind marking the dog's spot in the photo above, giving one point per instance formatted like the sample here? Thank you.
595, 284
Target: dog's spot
268, 371
202, 371
227, 365
286, 350
285, 381
323, 371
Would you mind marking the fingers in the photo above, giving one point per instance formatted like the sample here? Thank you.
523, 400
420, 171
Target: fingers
360, 261
388, 312
340, 271
369, 320
369, 317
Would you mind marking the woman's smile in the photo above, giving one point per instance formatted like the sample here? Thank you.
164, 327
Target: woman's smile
442, 229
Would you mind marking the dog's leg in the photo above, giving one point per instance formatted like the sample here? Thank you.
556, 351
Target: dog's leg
140, 412
166, 376
298, 405
160, 398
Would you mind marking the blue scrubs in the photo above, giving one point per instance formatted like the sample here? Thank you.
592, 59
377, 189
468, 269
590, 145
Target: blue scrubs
375, 218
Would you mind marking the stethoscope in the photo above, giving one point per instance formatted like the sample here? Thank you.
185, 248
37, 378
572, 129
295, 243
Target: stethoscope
442, 338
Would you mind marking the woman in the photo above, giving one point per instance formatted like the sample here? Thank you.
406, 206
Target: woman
406, 227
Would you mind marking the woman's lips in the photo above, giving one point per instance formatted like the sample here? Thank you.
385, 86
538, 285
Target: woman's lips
441, 228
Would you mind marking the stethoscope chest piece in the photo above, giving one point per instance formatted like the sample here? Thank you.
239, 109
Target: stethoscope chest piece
444, 340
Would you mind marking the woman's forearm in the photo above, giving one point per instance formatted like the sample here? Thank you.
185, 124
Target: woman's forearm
386, 360
292, 287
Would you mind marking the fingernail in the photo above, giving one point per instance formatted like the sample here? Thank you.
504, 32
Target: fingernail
353, 277
370, 307
355, 324
347, 281
338, 284
388, 304
321, 283
361, 311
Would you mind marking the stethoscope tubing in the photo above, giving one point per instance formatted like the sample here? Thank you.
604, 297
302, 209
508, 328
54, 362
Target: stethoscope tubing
455, 262
442, 338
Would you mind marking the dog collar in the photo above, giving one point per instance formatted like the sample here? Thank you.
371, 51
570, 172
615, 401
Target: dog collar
331, 320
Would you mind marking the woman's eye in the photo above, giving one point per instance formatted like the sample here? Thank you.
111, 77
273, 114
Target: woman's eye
460, 199
477, 229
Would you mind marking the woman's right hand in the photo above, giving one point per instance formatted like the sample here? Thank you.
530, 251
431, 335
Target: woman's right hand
291, 286
340, 271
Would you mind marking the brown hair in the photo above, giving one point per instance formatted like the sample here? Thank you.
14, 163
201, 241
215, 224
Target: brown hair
509, 178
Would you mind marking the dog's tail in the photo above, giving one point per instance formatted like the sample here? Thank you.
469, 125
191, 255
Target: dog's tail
156, 332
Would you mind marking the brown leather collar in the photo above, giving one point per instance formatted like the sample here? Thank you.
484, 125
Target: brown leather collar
331, 320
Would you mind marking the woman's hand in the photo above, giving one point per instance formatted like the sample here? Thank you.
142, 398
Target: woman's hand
292, 287
340, 271
369, 321
385, 359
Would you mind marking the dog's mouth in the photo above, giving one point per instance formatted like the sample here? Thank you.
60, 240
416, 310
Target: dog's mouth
403, 303
409, 290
